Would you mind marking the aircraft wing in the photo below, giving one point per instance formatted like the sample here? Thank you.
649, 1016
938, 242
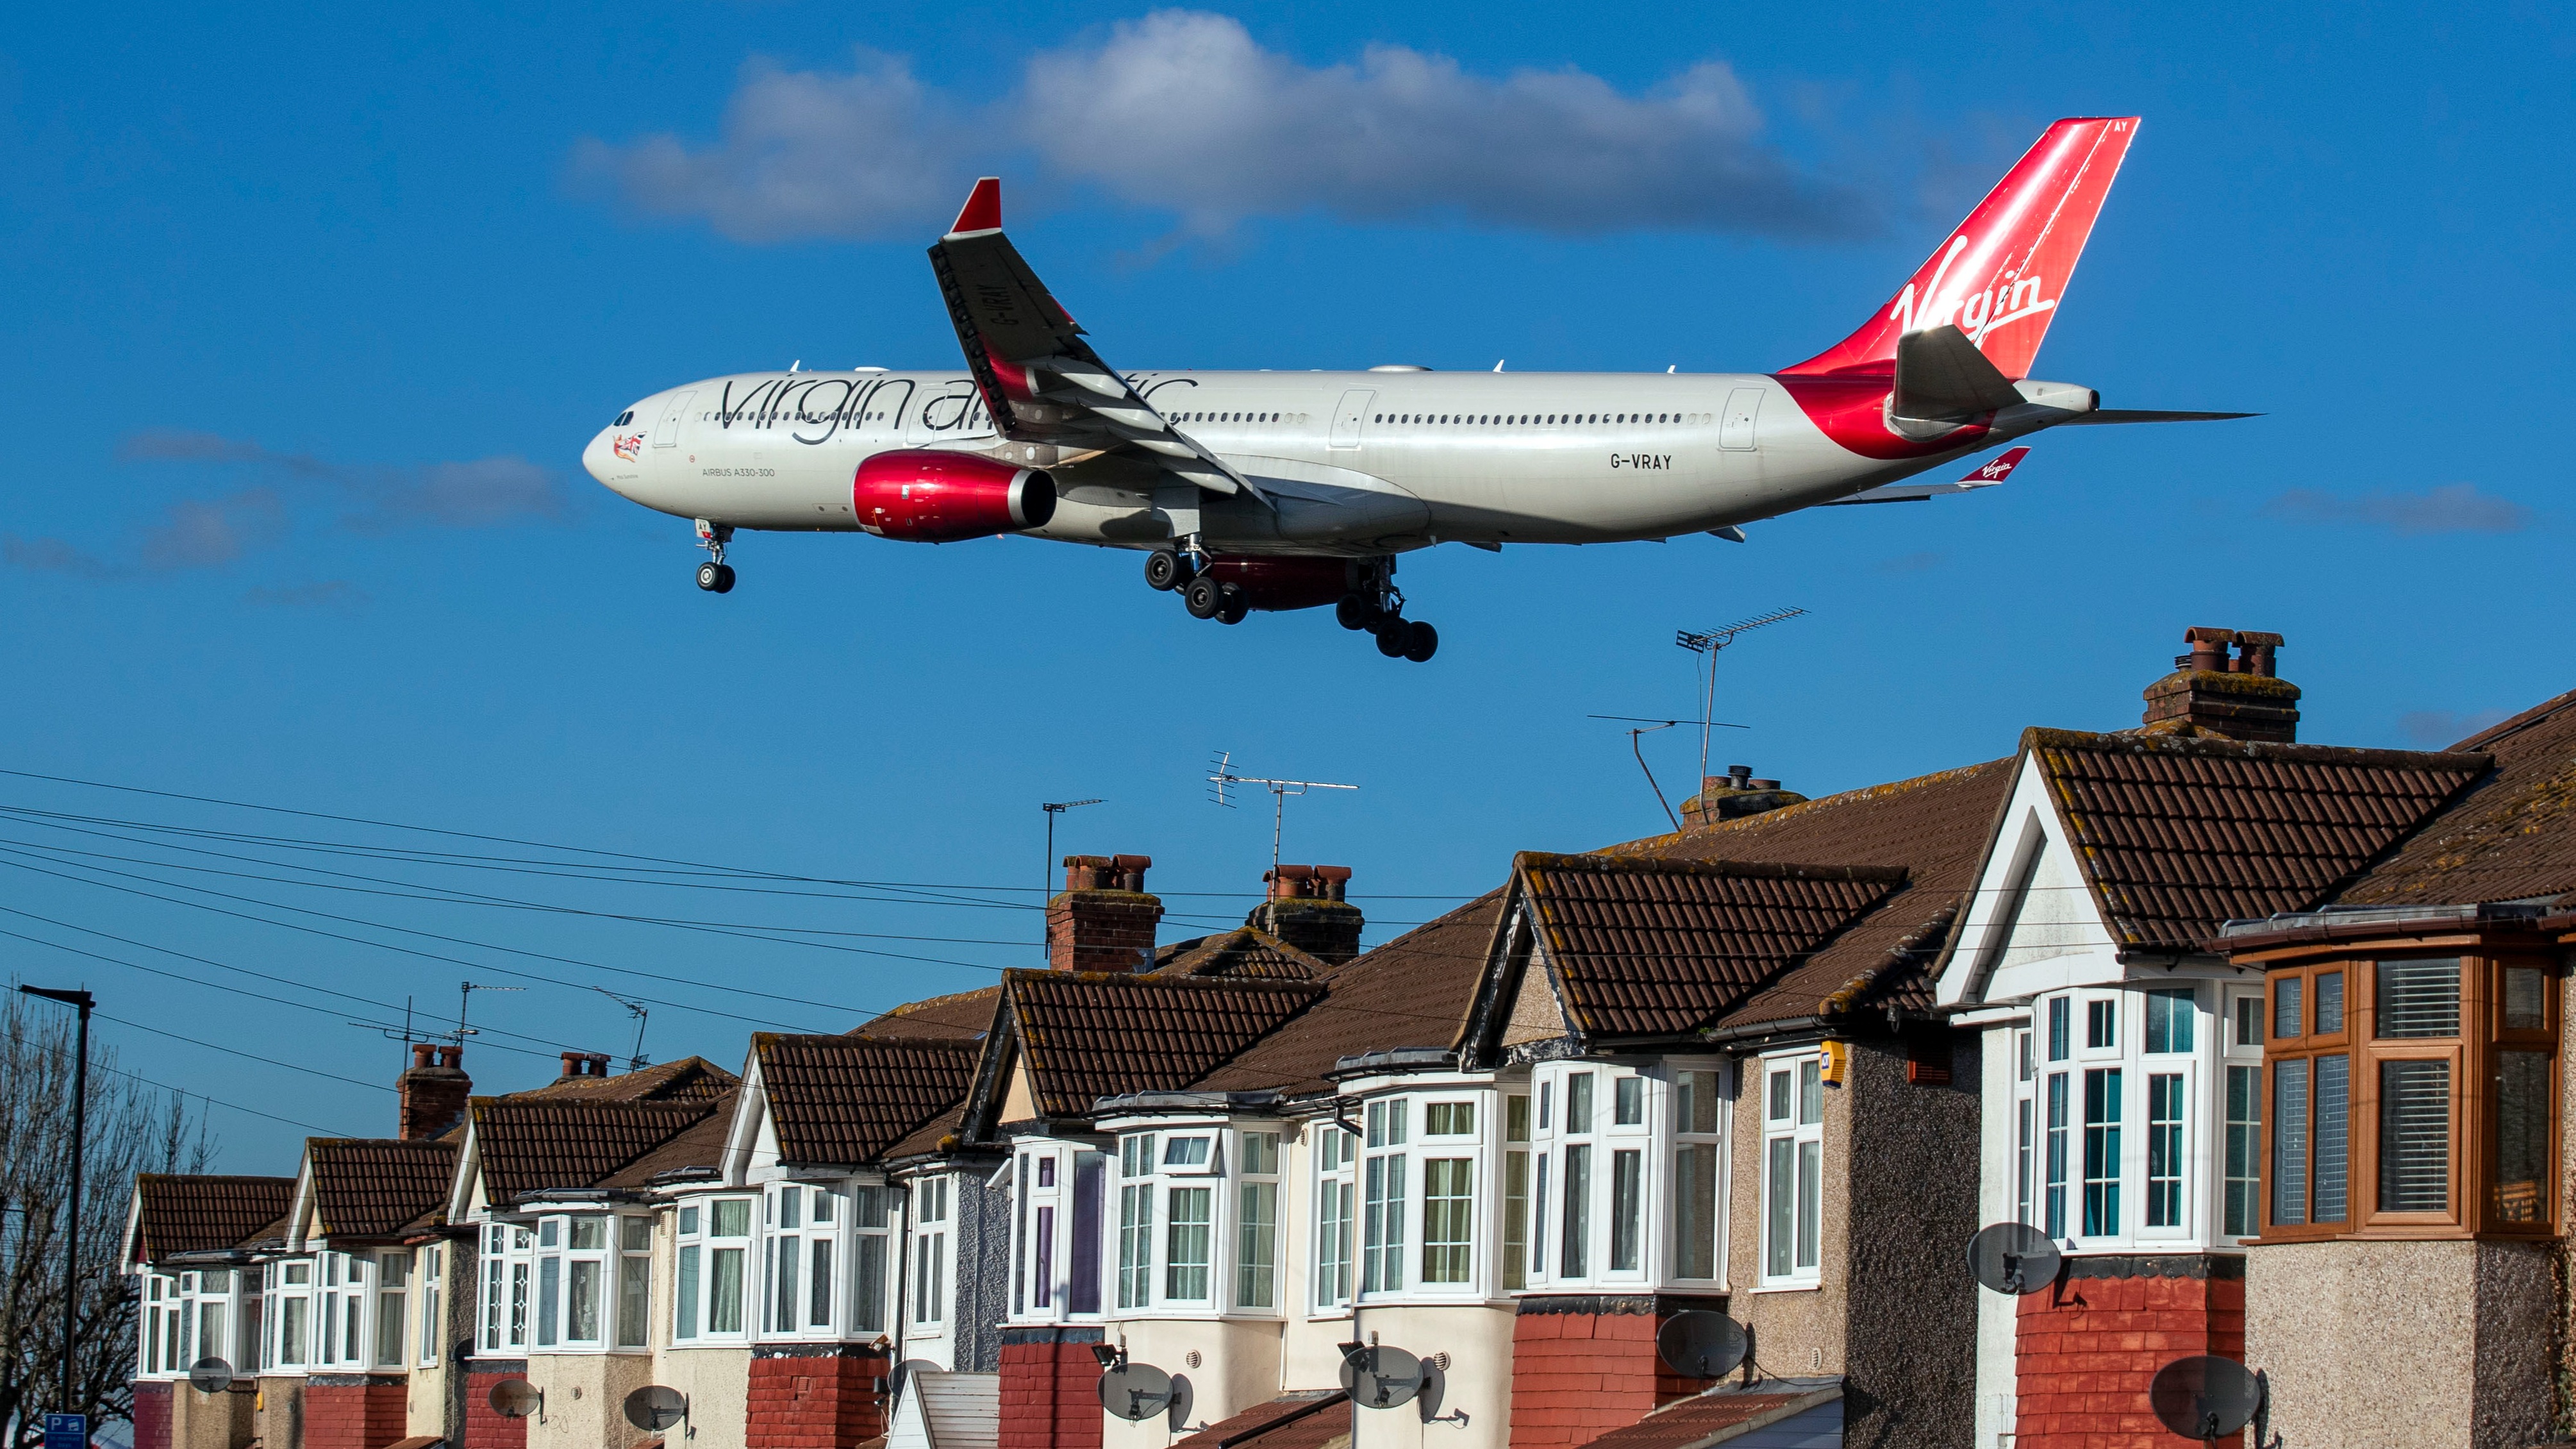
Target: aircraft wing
1041, 381
1984, 475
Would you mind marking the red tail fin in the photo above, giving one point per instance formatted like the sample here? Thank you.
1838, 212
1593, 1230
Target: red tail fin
1998, 277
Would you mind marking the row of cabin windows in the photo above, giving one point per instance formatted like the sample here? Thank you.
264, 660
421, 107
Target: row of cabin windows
1509, 420
2411, 1091
352, 1314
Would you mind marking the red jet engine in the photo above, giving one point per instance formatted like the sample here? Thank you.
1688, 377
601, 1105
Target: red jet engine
922, 496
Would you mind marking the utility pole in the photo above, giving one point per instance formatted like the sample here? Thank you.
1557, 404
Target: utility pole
83, 1001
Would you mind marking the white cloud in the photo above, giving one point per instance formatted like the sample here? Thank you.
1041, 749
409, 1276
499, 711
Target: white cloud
1185, 112
198, 533
2435, 729
2451, 508
376, 498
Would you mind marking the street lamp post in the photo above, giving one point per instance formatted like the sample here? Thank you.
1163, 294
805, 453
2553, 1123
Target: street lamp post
83, 1001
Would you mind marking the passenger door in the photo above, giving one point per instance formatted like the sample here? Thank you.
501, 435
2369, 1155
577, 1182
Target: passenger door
666, 433
1351, 416
1736, 427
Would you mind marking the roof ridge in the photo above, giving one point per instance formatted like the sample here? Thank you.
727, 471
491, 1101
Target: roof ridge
1693, 865
1030, 975
2038, 737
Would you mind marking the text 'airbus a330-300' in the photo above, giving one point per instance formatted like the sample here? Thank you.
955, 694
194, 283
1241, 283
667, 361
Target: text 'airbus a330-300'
1293, 490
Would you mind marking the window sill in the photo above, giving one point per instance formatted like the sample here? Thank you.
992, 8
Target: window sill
1796, 1286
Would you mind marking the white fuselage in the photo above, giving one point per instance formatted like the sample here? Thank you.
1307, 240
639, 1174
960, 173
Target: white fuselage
1346, 462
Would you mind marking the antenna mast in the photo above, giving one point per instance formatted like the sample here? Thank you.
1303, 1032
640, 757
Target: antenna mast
1046, 875
1223, 777
635, 1060
465, 994
1706, 646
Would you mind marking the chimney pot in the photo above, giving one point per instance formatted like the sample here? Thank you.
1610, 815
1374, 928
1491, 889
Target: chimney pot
572, 1064
2242, 698
1103, 921
421, 1053
1740, 774
1306, 909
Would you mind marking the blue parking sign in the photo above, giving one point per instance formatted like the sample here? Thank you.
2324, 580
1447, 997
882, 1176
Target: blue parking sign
67, 1431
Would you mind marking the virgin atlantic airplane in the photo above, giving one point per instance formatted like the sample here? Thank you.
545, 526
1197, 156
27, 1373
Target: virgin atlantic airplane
1294, 490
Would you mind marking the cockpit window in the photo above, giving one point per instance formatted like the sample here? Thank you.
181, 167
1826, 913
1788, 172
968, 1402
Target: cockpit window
624, 418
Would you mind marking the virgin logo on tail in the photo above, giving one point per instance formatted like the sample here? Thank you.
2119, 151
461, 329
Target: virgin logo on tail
1999, 276
1998, 468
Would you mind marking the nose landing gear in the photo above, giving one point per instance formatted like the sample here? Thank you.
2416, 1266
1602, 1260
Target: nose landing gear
715, 575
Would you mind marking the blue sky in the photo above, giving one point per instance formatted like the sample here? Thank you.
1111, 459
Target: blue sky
311, 310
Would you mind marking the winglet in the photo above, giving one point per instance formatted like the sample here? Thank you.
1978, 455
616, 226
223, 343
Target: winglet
1997, 469
983, 211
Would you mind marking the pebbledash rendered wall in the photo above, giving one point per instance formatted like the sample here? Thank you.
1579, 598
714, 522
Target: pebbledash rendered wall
2433, 1345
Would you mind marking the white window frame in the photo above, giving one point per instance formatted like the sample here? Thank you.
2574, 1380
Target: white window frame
388, 1304
808, 1224
2238, 1055
1384, 1184
507, 1289
1259, 1176
434, 1260
1336, 1237
1805, 1138
932, 1198
698, 1248
1712, 1077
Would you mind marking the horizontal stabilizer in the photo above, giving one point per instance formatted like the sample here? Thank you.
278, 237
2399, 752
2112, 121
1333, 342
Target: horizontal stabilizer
1984, 475
2142, 415
1941, 376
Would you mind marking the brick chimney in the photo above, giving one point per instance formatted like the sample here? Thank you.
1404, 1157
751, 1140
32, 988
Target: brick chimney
584, 1064
433, 1091
1306, 909
1732, 796
2239, 697
1104, 921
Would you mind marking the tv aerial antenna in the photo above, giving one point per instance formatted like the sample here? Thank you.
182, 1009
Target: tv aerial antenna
465, 996
1649, 726
1222, 776
1707, 644
635, 1061
1046, 876
389, 1034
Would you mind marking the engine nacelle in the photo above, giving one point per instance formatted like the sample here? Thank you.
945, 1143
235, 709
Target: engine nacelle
1279, 583
920, 495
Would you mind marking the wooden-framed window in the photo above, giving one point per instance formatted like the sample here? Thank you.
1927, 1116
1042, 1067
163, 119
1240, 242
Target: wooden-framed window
2411, 1094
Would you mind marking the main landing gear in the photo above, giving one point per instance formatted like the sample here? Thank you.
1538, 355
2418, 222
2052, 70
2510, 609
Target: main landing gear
1383, 616
1202, 592
715, 575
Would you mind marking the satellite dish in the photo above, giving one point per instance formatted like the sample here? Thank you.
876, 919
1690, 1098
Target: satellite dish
516, 1399
210, 1375
2205, 1397
654, 1408
1135, 1391
2012, 1258
1698, 1344
1379, 1377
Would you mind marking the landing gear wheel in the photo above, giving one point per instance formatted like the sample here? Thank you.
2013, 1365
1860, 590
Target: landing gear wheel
1393, 636
1421, 641
1231, 604
1166, 570
1355, 611
724, 578
1202, 597
711, 577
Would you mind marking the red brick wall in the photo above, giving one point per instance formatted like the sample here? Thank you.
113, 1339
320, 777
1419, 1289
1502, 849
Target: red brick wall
485, 1429
1577, 1376
822, 1402
152, 1415
2085, 1350
353, 1415
1050, 1396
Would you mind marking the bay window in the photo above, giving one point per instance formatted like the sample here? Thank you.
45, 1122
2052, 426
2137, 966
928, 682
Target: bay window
1448, 1193
872, 1239
293, 1290
1335, 1200
2412, 1093
433, 1280
393, 1280
1136, 1220
2240, 1212
1256, 1254
930, 1242
799, 1262
507, 1253
1696, 1147
1793, 1151
714, 1242
1382, 1205
1574, 1246
634, 1281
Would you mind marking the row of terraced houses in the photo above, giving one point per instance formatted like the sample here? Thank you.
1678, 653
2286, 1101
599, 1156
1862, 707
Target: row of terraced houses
2265, 1035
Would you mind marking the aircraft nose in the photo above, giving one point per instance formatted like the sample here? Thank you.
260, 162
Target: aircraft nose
596, 459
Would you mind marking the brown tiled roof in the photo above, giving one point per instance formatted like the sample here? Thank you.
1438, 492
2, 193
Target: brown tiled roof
1292, 1421
965, 1016
203, 1212
1652, 946
1933, 826
2511, 837
1715, 1418
374, 1187
698, 1145
690, 1079
2178, 836
1245, 953
1414, 991
1087, 1035
533, 1143
930, 1136
843, 1100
